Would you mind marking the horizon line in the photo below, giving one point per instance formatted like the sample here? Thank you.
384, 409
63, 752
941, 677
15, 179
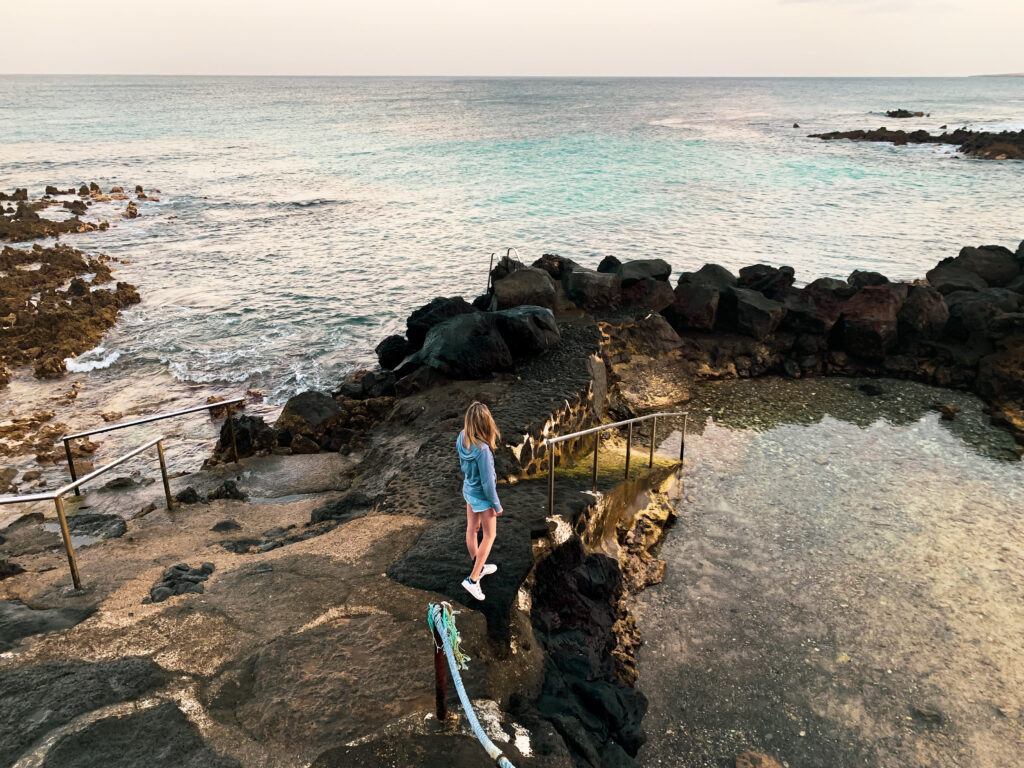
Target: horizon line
512, 76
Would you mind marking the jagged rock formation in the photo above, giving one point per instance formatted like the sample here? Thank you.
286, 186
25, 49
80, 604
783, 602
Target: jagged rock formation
1005, 145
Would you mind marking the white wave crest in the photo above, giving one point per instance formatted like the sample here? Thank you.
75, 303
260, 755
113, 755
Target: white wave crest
82, 366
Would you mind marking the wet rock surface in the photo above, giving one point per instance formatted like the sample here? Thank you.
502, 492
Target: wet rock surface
59, 692
99, 525
63, 322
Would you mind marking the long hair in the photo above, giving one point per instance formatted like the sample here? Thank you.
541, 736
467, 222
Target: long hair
480, 427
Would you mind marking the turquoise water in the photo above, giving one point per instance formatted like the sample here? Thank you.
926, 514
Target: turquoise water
301, 219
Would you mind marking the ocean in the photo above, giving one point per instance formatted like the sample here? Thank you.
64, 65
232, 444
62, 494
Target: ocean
301, 219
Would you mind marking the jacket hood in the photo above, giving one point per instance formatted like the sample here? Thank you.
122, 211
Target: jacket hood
464, 452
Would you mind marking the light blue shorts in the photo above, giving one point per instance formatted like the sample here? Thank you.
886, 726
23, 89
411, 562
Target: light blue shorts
476, 503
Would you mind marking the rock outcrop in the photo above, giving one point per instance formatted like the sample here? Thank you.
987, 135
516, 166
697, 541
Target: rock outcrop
1005, 145
62, 322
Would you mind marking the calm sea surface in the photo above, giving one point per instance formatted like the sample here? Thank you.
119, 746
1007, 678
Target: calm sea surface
301, 219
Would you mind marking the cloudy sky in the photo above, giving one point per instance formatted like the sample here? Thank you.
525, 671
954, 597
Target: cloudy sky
516, 37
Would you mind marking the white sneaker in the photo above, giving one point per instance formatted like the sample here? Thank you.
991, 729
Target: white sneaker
489, 568
473, 587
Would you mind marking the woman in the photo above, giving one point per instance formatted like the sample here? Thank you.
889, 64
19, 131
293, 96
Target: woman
476, 445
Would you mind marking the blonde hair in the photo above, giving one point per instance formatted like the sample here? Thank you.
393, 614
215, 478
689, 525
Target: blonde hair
480, 426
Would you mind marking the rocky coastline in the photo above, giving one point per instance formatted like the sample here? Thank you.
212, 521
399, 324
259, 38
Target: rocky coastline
53, 303
986, 145
961, 327
552, 347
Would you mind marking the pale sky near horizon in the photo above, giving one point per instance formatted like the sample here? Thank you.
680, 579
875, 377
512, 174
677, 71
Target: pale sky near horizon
523, 37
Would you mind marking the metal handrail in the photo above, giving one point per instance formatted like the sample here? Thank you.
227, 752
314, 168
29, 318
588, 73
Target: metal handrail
158, 417
491, 268
56, 497
596, 431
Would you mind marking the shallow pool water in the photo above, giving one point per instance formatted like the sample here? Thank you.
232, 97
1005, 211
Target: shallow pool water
844, 582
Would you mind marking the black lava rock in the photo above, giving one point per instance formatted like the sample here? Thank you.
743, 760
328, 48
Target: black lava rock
63, 691
180, 580
187, 495
393, 350
227, 490
90, 524
349, 507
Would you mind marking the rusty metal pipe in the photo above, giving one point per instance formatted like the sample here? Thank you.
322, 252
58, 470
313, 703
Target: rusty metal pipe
68, 547
440, 680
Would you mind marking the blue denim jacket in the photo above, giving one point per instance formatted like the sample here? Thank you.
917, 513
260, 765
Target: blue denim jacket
479, 489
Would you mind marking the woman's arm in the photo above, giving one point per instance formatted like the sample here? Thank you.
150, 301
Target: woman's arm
488, 478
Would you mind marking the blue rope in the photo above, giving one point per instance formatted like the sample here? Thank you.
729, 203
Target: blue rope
442, 616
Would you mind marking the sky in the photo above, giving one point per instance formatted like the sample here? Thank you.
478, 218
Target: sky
516, 37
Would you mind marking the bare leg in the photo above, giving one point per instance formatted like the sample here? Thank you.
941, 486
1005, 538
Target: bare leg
472, 526
490, 526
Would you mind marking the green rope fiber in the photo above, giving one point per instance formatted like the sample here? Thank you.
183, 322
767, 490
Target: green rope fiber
448, 626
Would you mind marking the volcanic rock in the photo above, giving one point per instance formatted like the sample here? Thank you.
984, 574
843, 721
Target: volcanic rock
694, 306
227, 490
609, 265
992, 263
505, 267
860, 278
556, 266
593, 290
187, 495
252, 435
631, 272
392, 351
352, 505
18, 621
773, 282
947, 278
923, 314
467, 346
9, 568
870, 321
180, 579
751, 313
526, 286
648, 293
306, 413
527, 330
711, 275
429, 315
65, 691
92, 524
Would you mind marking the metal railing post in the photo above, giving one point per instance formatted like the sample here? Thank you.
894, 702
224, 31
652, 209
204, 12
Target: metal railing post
234, 440
66, 534
654, 433
163, 475
597, 444
71, 465
440, 680
629, 447
551, 480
